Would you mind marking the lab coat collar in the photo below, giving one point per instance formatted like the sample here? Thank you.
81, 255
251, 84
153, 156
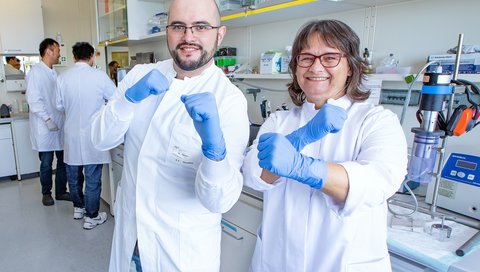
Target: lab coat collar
208, 70
81, 63
45, 67
343, 102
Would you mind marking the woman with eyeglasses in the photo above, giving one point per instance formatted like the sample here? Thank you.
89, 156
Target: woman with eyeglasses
326, 167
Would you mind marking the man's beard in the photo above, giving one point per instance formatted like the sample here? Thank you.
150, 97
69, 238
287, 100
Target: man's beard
191, 65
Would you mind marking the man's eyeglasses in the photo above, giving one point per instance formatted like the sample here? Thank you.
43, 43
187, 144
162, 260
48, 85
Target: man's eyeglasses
328, 60
196, 29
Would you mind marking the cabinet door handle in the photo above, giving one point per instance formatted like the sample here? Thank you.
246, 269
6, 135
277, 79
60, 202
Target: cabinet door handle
238, 238
226, 228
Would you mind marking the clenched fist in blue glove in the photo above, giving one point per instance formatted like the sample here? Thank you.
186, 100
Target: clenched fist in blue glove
202, 108
277, 155
152, 83
329, 119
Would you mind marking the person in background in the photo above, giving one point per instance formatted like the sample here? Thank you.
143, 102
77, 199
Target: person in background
112, 69
185, 128
12, 67
81, 91
326, 167
46, 122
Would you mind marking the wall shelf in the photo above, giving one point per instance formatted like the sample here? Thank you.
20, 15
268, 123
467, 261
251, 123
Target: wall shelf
282, 10
262, 76
383, 77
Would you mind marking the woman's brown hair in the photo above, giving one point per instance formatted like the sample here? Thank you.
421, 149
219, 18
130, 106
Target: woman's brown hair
338, 35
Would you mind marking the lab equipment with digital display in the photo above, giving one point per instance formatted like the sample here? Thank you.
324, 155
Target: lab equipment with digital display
459, 188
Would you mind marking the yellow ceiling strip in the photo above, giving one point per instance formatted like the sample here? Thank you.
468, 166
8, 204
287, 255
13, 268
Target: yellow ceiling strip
266, 9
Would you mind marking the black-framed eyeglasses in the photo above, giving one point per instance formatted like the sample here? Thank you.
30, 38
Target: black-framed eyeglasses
328, 60
196, 29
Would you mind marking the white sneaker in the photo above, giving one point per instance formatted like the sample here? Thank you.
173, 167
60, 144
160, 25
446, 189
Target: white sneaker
90, 223
78, 213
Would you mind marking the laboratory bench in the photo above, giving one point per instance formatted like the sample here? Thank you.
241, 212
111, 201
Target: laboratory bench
411, 247
13, 117
415, 246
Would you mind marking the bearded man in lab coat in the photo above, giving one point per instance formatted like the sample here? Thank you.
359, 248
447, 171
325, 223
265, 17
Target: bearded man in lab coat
81, 91
185, 128
46, 122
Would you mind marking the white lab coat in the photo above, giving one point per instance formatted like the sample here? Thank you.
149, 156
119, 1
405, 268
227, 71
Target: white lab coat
304, 229
10, 70
81, 91
40, 94
170, 196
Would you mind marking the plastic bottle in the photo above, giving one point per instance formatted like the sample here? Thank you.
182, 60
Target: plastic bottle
389, 61
286, 57
15, 106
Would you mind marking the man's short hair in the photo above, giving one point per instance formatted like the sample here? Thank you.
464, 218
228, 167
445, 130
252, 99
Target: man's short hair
8, 59
45, 44
82, 51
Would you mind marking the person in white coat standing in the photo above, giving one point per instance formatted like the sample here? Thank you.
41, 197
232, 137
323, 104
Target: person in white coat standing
81, 91
185, 130
327, 166
46, 122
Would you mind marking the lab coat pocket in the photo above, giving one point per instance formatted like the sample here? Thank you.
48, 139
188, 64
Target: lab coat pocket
184, 148
200, 235
374, 265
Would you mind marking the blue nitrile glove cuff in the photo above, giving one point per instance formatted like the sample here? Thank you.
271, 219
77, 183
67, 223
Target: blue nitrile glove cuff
277, 155
313, 172
215, 152
329, 119
152, 83
202, 108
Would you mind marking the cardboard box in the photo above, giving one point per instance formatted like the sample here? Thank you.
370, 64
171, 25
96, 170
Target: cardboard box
469, 63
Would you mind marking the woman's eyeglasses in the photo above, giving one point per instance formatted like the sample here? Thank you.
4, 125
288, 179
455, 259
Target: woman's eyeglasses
328, 60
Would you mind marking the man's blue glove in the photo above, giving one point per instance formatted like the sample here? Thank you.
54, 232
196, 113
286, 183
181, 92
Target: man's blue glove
329, 119
202, 108
152, 83
277, 155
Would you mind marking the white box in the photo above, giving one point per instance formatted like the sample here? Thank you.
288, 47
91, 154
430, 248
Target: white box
270, 62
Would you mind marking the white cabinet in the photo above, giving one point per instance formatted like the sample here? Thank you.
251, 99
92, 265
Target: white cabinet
115, 172
237, 248
27, 160
239, 228
122, 20
21, 27
7, 167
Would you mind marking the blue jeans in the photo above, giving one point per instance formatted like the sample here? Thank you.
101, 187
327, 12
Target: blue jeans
46, 160
90, 200
136, 258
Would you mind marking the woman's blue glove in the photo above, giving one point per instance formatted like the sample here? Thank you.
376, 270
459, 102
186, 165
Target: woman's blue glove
202, 108
329, 119
152, 83
277, 155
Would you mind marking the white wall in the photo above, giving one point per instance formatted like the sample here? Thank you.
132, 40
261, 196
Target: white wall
75, 20
411, 30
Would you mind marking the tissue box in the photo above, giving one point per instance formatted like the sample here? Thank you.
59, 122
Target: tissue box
469, 63
271, 63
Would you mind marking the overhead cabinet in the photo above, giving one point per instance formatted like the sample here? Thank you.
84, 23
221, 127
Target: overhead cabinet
122, 20
21, 27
